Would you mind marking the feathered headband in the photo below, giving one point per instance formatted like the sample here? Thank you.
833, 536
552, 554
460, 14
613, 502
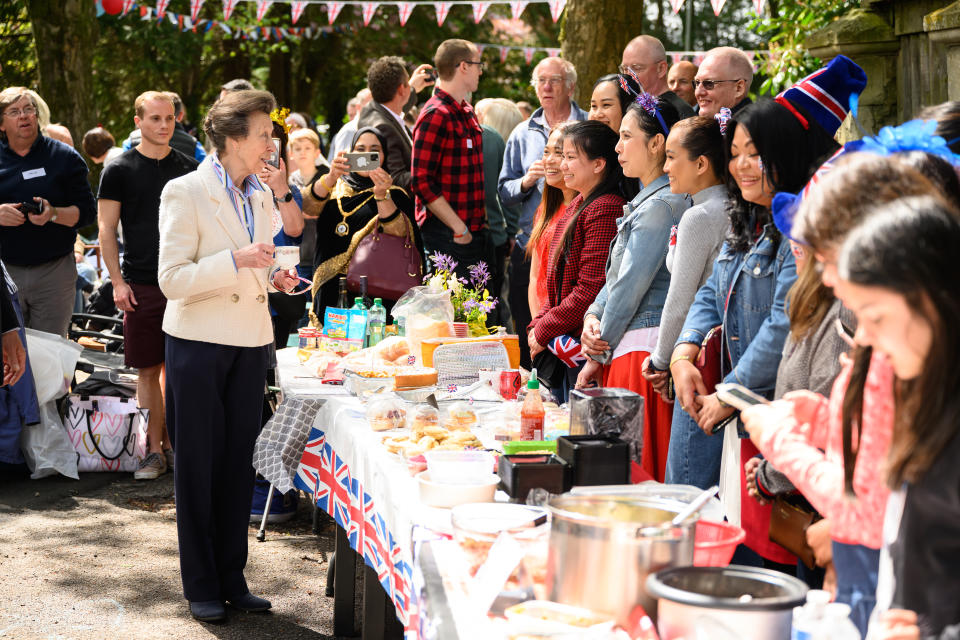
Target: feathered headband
646, 100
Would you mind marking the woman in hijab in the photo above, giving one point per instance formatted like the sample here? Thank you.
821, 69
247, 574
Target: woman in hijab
348, 206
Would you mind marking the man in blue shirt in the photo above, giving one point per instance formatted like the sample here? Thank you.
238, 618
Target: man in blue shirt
521, 179
44, 199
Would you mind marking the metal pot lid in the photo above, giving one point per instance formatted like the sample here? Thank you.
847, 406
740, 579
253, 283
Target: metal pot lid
734, 587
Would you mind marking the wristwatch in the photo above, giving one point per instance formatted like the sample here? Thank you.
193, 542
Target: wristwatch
288, 197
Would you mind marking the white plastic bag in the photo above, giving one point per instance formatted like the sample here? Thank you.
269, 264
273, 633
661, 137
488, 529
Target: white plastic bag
427, 313
46, 445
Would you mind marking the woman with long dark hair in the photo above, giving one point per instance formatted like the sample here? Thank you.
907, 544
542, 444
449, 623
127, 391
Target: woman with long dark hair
809, 437
556, 197
621, 326
578, 249
898, 272
771, 147
609, 102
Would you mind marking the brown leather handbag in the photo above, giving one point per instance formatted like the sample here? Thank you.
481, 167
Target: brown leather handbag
788, 528
392, 264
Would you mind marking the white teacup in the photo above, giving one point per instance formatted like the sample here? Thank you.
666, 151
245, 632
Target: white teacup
287, 257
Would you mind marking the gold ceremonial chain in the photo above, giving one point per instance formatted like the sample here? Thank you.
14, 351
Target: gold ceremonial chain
343, 190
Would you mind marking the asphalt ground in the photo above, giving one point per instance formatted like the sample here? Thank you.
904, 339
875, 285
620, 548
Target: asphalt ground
97, 558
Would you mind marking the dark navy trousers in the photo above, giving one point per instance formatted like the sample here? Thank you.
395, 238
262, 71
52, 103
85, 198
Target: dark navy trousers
214, 401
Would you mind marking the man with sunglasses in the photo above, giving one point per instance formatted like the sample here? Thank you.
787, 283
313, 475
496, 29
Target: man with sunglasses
723, 80
447, 163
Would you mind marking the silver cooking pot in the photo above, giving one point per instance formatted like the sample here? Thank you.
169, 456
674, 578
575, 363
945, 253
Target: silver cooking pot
602, 548
725, 603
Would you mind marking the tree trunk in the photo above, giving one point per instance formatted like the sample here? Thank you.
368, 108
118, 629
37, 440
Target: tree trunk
279, 82
594, 34
66, 32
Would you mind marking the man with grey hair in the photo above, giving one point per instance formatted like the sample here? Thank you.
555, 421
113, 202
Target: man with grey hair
723, 80
647, 59
344, 137
521, 179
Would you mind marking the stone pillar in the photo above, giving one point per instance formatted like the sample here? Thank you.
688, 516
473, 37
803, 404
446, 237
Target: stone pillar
943, 28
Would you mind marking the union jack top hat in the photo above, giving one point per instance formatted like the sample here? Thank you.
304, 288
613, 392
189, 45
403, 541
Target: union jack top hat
829, 93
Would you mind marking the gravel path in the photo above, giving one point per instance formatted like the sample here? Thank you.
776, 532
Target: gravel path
97, 559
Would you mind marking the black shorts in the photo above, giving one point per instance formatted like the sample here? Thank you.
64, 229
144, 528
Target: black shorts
143, 327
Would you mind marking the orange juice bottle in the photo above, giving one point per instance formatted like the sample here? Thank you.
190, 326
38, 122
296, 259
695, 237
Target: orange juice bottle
532, 413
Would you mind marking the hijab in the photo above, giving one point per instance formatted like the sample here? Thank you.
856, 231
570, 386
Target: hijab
362, 186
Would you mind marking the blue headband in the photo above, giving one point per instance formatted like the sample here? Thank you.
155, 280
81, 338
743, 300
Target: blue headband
646, 100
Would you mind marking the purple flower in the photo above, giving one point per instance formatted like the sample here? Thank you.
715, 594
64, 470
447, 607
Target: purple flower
443, 262
479, 275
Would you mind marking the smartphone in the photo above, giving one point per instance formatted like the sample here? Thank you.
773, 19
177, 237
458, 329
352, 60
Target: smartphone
363, 161
275, 155
32, 208
432, 74
739, 396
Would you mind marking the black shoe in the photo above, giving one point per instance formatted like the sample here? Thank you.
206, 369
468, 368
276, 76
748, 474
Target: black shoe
249, 603
208, 611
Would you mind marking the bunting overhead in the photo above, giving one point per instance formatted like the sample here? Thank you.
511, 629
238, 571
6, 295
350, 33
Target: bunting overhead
442, 9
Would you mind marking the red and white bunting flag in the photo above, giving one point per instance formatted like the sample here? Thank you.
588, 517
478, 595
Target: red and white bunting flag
333, 10
145, 12
404, 9
553, 52
162, 7
266, 32
758, 7
698, 58
262, 7
675, 5
479, 9
296, 10
228, 7
442, 9
503, 53
717, 6
676, 57
368, 9
480, 48
127, 5
556, 8
528, 54
517, 7
195, 6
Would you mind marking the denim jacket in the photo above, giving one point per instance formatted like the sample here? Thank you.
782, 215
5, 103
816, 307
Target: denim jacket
755, 324
637, 275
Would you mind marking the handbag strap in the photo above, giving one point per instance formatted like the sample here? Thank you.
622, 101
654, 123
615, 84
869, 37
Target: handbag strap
126, 438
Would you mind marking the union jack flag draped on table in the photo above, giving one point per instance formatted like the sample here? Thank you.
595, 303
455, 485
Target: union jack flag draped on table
326, 476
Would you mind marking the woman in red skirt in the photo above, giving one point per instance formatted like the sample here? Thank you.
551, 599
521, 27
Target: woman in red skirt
620, 328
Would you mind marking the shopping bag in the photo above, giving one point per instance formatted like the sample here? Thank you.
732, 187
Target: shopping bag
730, 473
108, 433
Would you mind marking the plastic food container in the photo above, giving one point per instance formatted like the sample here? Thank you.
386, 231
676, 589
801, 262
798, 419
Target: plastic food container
443, 494
529, 446
542, 617
476, 527
459, 467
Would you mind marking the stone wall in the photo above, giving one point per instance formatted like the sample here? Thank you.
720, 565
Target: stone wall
910, 50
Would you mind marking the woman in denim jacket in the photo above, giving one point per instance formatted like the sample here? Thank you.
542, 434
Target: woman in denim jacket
620, 327
769, 150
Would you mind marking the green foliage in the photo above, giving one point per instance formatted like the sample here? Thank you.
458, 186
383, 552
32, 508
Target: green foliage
18, 56
786, 27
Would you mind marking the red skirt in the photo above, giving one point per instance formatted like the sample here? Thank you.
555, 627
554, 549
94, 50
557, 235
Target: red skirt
755, 517
625, 372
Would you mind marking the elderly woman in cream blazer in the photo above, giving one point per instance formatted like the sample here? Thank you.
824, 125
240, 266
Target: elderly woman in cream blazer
216, 268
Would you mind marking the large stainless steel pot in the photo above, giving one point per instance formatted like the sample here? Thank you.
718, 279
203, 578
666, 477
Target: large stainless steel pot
725, 603
603, 547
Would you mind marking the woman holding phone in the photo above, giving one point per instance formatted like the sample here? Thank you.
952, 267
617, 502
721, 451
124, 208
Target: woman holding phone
349, 205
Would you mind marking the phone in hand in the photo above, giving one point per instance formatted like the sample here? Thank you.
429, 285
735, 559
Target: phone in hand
31, 208
275, 154
432, 74
739, 396
363, 161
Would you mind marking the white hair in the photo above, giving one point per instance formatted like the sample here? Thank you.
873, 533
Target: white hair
569, 72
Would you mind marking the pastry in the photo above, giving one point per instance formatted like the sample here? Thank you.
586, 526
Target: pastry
415, 377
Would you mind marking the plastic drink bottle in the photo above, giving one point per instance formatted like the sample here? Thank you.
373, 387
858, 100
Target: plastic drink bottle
376, 322
808, 618
532, 413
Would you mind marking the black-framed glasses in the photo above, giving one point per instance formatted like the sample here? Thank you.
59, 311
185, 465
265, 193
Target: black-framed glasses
710, 85
480, 64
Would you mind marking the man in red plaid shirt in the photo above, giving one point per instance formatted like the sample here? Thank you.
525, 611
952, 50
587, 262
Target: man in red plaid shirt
447, 167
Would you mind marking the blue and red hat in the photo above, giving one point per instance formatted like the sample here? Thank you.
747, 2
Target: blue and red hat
827, 94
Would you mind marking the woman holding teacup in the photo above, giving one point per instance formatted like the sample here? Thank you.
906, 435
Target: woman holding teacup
216, 268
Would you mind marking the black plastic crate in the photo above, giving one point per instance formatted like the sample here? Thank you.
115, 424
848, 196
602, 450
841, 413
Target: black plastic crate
522, 472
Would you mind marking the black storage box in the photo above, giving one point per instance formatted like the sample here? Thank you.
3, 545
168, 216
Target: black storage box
522, 472
595, 459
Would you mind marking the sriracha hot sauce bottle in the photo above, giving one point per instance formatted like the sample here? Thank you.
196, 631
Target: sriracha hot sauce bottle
531, 413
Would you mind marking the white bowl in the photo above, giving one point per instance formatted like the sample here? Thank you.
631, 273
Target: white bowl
439, 494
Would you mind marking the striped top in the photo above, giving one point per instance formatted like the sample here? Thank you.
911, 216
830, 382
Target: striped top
239, 197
